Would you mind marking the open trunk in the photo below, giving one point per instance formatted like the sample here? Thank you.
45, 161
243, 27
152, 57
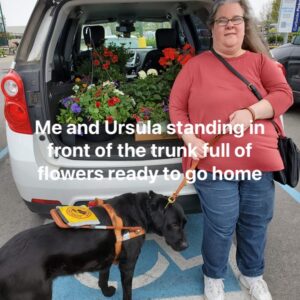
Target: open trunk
60, 73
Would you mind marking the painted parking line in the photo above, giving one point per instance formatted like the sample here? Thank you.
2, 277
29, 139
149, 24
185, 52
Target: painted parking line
160, 274
292, 192
3, 152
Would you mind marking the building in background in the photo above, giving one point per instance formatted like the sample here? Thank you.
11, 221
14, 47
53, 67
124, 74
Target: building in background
15, 32
3, 34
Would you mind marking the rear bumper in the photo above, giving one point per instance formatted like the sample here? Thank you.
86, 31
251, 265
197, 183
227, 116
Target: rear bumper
27, 156
190, 204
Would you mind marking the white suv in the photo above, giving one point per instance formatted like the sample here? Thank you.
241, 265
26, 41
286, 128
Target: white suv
42, 74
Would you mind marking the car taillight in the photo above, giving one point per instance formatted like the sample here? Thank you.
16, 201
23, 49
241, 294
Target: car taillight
46, 202
15, 109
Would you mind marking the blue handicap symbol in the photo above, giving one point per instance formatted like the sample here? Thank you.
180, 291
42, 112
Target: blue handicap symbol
157, 275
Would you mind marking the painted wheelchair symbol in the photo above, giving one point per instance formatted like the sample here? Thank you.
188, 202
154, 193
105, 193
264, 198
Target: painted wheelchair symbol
162, 264
158, 269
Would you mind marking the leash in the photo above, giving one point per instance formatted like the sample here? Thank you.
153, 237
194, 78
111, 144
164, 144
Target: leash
173, 197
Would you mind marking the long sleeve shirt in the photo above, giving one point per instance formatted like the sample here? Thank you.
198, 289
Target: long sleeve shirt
206, 91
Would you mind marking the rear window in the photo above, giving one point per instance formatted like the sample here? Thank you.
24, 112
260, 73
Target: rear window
202, 33
142, 37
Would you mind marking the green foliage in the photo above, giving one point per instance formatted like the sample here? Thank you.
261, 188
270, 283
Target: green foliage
292, 35
106, 102
157, 112
275, 10
275, 39
96, 103
70, 112
107, 63
2, 52
151, 88
151, 42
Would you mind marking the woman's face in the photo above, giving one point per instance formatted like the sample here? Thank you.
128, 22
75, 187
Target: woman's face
228, 38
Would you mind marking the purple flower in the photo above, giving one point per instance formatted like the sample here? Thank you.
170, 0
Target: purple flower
165, 108
75, 108
147, 112
66, 102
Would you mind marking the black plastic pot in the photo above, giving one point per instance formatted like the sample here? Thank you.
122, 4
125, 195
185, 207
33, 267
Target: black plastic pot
102, 136
67, 139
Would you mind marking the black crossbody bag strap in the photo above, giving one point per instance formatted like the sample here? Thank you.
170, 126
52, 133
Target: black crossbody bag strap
250, 86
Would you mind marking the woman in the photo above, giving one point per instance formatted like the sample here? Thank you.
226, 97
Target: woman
206, 91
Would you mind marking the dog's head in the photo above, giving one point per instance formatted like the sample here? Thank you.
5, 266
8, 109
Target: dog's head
168, 222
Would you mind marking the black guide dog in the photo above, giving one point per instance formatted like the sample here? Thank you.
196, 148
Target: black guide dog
33, 258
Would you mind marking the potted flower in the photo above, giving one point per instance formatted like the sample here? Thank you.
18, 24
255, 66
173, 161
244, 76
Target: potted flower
96, 104
105, 103
69, 113
148, 87
173, 60
156, 112
106, 63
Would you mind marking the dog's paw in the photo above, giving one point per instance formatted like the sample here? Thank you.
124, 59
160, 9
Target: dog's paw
108, 291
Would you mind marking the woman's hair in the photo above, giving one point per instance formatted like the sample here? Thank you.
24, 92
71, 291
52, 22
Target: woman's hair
252, 40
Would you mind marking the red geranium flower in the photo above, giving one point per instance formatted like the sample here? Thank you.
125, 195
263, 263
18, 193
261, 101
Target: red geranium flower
98, 93
163, 61
187, 47
136, 117
180, 57
113, 101
185, 59
98, 104
115, 58
107, 53
116, 99
170, 53
110, 119
96, 62
106, 65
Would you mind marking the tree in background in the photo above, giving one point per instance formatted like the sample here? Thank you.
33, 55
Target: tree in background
275, 10
265, 16
269, 18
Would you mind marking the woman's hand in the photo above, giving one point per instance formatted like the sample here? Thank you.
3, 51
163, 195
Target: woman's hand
200, 151
241, 117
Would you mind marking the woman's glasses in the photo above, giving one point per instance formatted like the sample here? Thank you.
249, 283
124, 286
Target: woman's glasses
237, 20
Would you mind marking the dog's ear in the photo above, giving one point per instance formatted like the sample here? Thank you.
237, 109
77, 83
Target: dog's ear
152, 194
157, 202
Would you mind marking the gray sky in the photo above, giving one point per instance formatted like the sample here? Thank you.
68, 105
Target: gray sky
17, 12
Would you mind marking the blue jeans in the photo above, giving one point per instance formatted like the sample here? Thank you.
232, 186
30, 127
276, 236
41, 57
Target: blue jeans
242, 205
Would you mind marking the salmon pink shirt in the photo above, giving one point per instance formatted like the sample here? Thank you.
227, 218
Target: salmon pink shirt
205, 90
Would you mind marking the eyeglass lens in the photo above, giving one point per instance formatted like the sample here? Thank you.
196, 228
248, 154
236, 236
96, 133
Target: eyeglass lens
224, 21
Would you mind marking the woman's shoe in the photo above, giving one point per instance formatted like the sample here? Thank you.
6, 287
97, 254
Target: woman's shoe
213, 289
258, 288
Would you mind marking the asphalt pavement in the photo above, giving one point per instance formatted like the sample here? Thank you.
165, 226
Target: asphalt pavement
5, 63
